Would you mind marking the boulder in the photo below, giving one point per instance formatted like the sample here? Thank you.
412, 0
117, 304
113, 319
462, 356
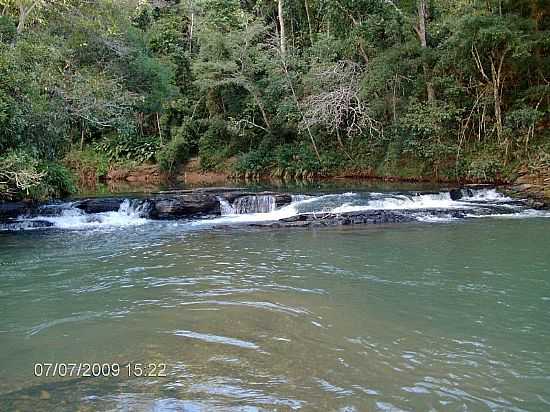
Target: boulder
185, 205
456, 194
282, 199
99, 204
13, 209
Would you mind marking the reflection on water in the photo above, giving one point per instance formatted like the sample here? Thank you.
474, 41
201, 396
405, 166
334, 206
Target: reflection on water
411, 317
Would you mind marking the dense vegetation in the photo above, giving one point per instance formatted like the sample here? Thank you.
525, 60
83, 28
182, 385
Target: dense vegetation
452, 89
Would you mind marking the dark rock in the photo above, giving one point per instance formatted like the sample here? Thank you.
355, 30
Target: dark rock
460, 193
456, 194
535, 203
232, 196
283, 199
99, 205
193, 204
349, 218
13, 209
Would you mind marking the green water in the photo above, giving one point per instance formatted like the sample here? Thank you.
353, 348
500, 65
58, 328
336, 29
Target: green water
451, 316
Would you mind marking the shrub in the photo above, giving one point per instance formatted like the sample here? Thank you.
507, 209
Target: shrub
296, 161
58, 182
255, 162
485, 169
7, 29
214, 145
88, 165
23, 176
122, 147
175, 152
19, 174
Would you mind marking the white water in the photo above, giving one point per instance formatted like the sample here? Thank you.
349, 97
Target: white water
352, 202
134, 212
292, 209
248, 204
128, 214
425, 201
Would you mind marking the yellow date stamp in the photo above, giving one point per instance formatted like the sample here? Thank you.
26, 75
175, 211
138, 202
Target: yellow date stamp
97, 369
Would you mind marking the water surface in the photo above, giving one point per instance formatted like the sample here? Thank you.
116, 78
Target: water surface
420, 316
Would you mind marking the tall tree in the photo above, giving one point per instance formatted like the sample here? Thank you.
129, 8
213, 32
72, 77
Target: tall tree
422, 36
281, 26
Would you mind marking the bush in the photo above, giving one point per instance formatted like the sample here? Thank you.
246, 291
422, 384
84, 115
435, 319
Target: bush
484, 169
296, 161
175, 152
88, 165
255, 162
7, 29
214, 145
123, 147
24, 177
57, 182
19, 174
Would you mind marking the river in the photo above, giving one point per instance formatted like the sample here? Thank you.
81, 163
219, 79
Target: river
442, 313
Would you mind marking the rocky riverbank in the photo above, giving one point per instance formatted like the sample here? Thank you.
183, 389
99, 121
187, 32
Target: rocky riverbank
534, 185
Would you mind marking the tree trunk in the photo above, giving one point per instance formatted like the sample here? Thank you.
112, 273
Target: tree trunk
282, 27
421, 31
297, 102
309, 22
495, 74
23, 14
158, 126
341, 143
262, 110
191, 31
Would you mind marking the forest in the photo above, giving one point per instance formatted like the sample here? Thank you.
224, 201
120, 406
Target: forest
450, 90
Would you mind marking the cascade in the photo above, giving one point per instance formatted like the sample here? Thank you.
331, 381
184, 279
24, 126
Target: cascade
248, 204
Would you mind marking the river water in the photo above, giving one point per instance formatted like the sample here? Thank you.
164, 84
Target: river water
439, 314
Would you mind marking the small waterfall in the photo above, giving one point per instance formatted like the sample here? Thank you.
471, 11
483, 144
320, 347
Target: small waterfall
254, 204
248, 204
225, 207
135, 208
